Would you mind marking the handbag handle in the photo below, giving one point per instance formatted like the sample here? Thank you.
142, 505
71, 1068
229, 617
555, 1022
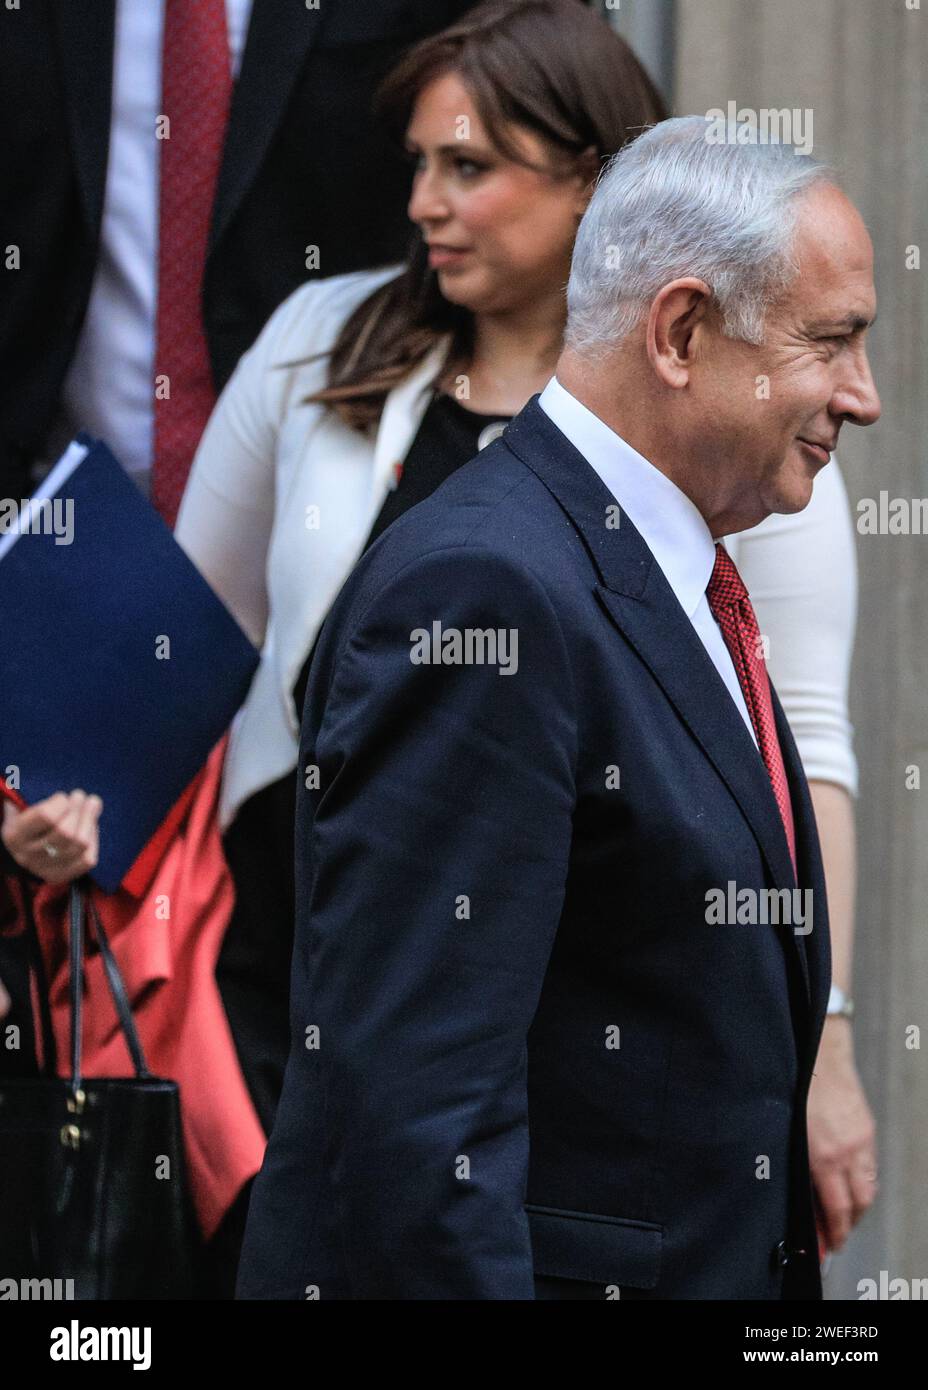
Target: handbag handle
49, 1047
77, 902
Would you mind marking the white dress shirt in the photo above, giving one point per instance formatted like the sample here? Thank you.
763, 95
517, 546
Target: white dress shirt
109, 387
669, 523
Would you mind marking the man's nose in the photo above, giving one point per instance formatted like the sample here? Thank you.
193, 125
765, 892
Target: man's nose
857, 398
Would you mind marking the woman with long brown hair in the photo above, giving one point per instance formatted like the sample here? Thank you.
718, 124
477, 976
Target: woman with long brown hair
365, 391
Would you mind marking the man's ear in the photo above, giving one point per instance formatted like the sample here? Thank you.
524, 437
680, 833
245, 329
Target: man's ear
677, 312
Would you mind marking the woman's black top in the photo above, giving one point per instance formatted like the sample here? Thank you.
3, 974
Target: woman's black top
253, 971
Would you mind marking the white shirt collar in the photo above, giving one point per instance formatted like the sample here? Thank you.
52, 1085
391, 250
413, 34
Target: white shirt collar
670, 524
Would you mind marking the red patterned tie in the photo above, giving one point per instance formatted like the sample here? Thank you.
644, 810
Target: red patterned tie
729, 601
196, 87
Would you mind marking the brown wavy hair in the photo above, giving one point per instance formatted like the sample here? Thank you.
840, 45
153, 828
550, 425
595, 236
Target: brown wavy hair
550, 66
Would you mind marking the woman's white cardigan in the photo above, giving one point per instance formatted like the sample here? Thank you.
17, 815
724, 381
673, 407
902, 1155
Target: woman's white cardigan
282, 496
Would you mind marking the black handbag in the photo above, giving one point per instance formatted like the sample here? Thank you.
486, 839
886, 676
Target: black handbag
93, 1184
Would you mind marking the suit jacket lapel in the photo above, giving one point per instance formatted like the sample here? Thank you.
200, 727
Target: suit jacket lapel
279, 37
816, 947
402, 415
278, 40
641, 603
85, 33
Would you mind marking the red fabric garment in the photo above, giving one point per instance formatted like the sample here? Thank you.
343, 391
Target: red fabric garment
734, 613
196, 90
166, 941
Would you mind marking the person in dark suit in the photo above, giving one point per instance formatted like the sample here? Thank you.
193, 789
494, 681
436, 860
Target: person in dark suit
303, 165
562, 955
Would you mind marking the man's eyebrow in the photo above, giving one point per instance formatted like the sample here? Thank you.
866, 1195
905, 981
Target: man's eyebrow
853, 323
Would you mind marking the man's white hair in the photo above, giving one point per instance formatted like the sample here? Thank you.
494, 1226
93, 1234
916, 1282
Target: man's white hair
674, 204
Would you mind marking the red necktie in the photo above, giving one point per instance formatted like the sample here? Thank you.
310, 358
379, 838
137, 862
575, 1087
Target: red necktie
196, 88
729, 601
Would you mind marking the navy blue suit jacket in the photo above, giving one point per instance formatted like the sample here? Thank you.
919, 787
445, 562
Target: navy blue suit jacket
524, 1063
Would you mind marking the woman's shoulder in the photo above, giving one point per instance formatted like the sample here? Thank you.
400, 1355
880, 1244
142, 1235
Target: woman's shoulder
309, 319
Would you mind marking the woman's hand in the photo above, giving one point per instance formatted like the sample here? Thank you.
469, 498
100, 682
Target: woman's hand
56, 839
842, 1137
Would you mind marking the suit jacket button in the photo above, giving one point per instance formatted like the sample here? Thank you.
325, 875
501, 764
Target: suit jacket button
781, 1254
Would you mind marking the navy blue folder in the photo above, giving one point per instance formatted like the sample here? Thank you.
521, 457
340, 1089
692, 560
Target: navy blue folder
91, 693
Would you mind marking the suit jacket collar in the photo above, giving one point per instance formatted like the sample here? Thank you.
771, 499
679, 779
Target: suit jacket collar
278, 40
639, 600
667, 520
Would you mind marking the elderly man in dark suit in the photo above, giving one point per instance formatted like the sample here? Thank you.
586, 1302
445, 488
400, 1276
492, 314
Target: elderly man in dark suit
562, 955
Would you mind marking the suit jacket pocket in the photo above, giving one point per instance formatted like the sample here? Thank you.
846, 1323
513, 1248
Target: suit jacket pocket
594, 1248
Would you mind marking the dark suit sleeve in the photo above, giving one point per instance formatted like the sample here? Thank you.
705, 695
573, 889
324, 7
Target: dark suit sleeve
439, 854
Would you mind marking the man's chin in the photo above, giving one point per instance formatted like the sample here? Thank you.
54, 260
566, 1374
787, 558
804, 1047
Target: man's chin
794, 498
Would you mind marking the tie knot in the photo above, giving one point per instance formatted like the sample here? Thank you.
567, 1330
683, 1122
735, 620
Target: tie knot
725, 587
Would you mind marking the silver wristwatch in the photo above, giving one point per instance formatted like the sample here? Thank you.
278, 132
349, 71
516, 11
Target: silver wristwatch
838, 1003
